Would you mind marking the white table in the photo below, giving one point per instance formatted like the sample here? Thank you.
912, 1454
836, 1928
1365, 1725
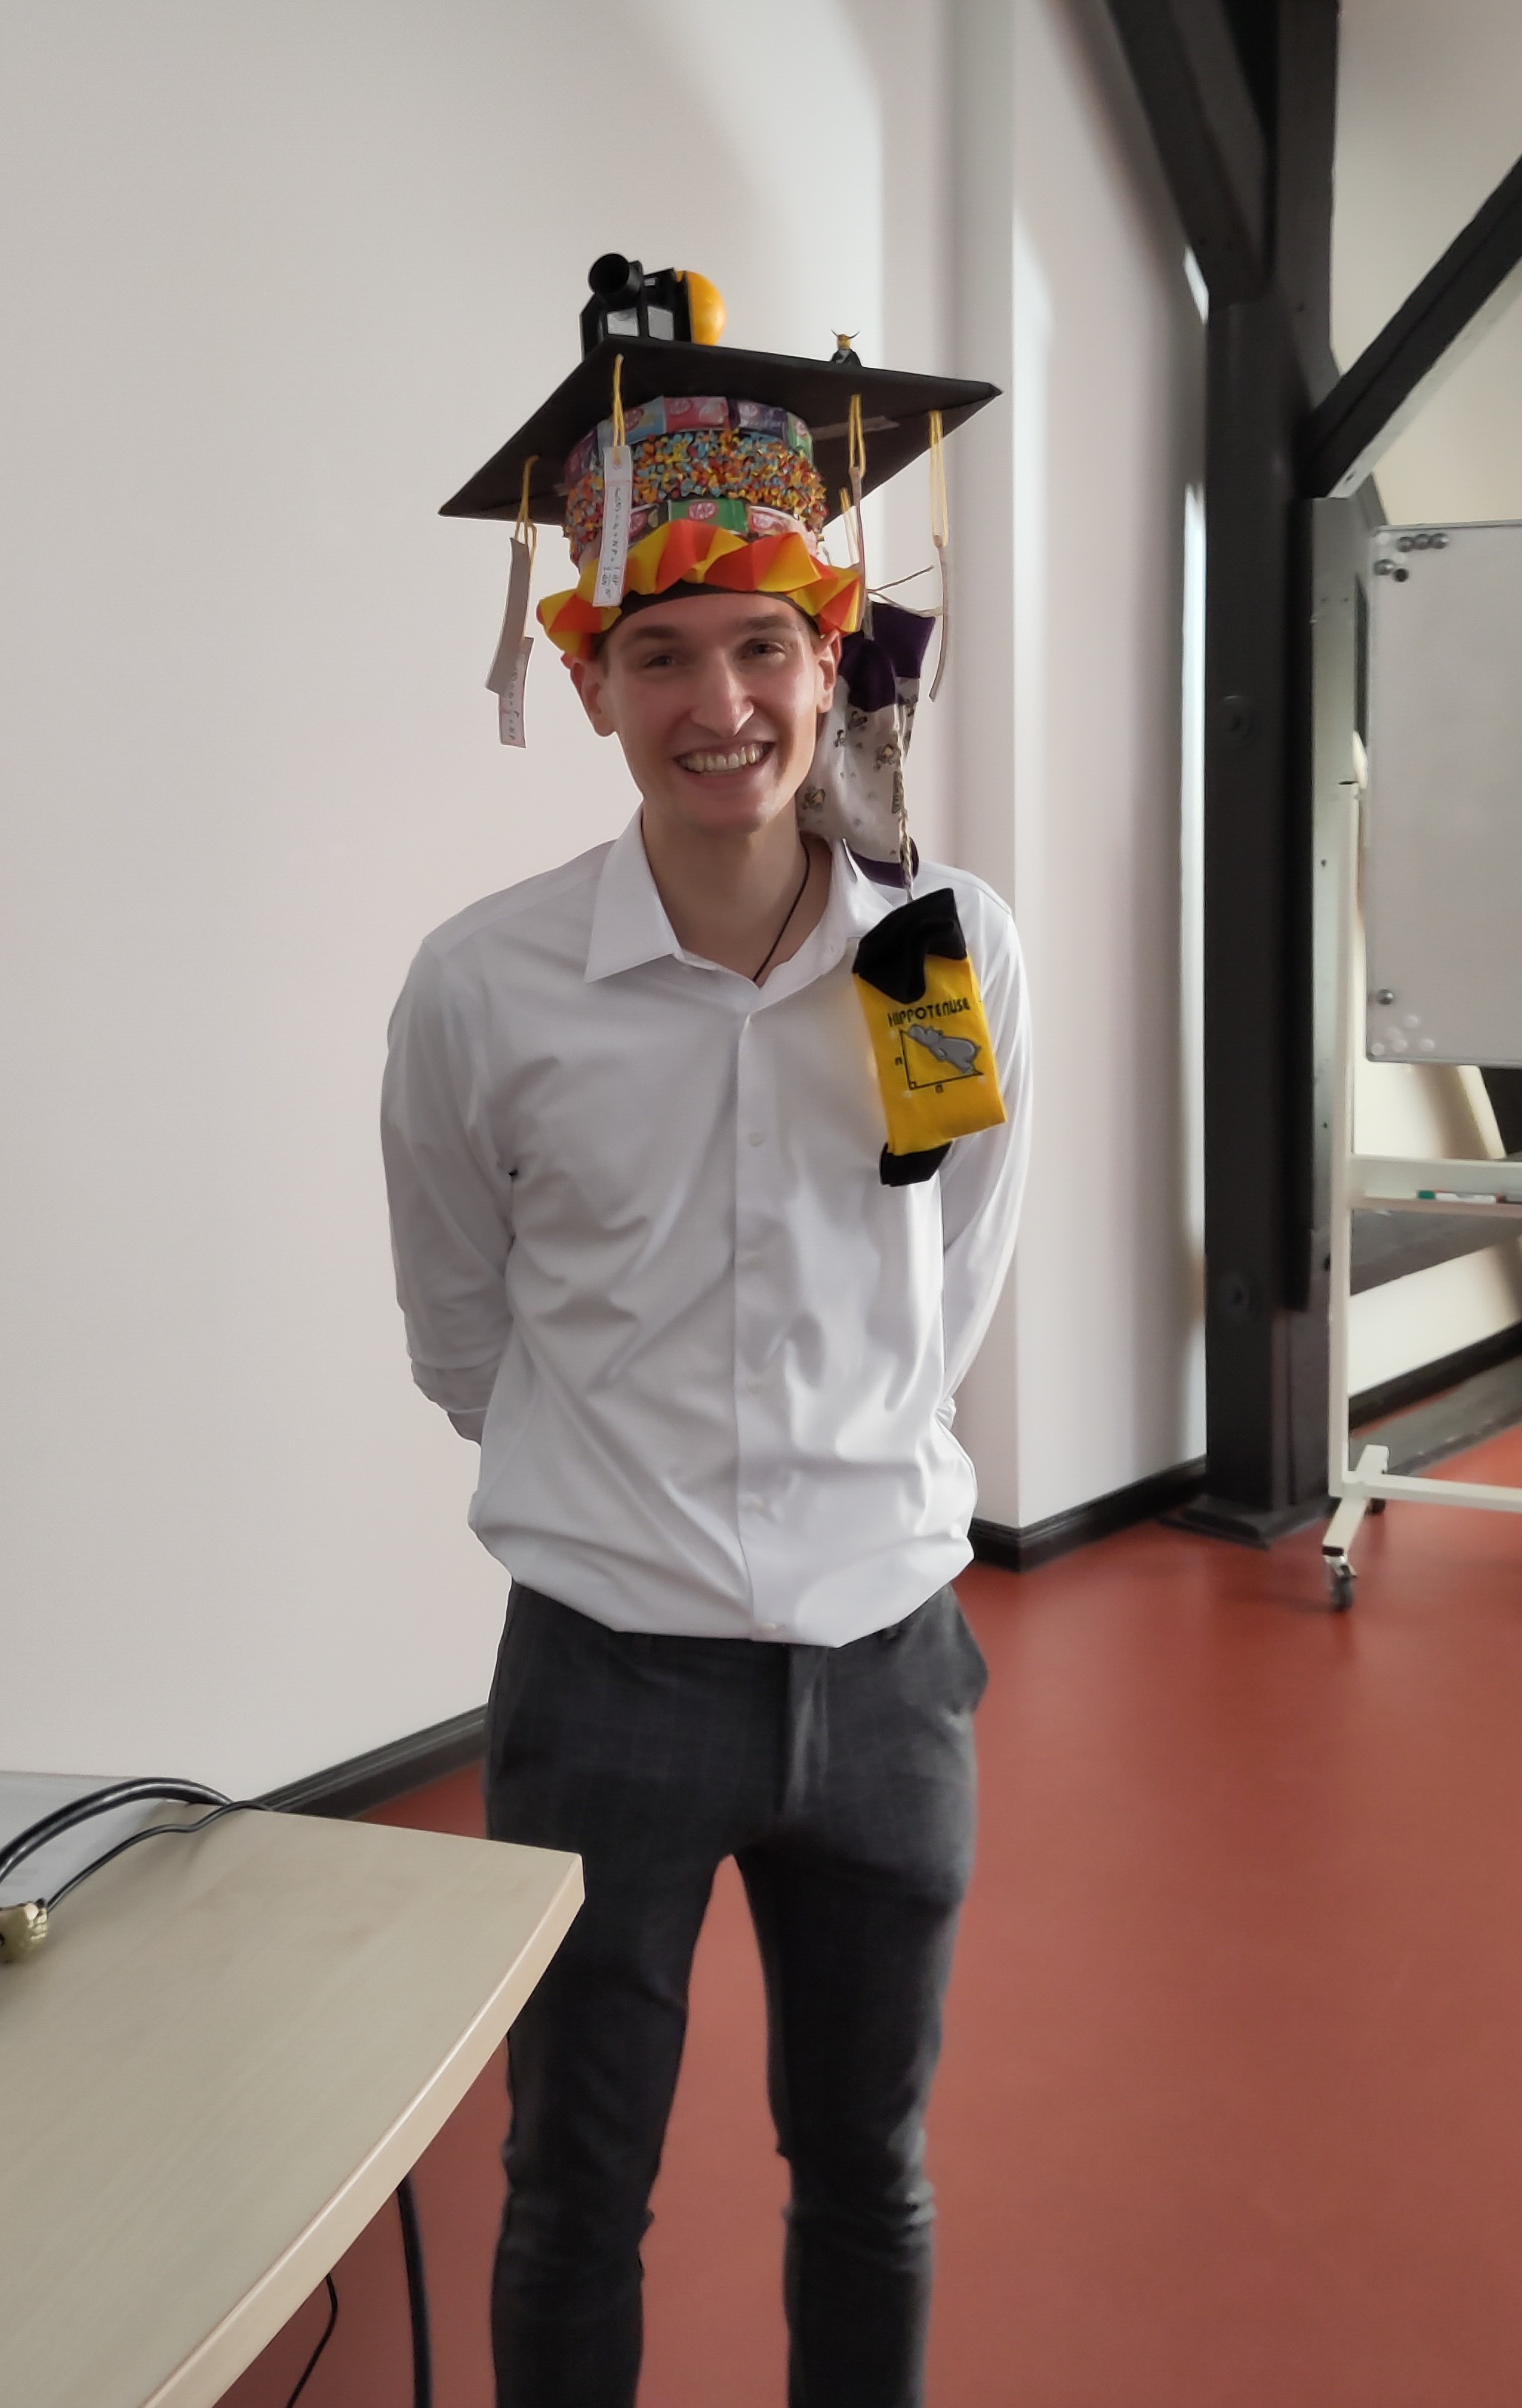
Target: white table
229, 2052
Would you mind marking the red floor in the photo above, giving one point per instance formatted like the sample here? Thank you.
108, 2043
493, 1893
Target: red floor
1230, 2114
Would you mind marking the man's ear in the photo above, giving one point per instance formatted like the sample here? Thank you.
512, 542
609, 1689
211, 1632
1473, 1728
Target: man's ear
828, 657
590, 679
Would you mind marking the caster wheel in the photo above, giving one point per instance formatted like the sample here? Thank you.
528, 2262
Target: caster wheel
1339, 1580
1377, 1504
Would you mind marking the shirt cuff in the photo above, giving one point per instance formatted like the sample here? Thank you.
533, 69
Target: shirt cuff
468, 1391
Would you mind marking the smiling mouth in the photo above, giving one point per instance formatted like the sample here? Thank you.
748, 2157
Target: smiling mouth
723, 765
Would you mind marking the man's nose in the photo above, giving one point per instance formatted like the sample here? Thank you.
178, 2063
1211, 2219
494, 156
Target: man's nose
721, 702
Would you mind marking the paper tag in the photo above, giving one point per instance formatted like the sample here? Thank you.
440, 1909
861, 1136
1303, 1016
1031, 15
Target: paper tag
509, 699
505, 662
617, 501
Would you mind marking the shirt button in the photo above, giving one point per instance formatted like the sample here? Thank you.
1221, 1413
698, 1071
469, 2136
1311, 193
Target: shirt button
772, 1629
756, 1386
755, 1137
750, 1504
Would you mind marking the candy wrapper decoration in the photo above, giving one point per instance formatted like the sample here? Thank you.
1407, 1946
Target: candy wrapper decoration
723, 492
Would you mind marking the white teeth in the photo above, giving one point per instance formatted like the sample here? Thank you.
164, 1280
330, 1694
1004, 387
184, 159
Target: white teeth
713, 765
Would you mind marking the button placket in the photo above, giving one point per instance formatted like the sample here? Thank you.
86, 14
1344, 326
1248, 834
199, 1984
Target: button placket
754, 1211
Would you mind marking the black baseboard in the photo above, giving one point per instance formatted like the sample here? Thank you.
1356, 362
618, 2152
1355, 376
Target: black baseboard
1431, 1379
342, 1790
1037, 1543
1462, 1416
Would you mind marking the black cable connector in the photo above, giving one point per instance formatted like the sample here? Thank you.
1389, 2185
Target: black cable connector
23, 1928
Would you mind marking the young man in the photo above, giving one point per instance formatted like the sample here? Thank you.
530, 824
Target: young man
649, 1253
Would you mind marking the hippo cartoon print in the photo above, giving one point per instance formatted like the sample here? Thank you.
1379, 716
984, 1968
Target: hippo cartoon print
958, 1053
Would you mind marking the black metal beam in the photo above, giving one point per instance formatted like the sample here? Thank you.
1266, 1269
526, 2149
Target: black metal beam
1187, 70
1265, 1337
1304, 150
1241, 98
1476, 278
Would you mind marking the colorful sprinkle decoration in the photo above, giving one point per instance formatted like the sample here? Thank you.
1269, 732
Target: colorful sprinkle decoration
725, 492
723, 464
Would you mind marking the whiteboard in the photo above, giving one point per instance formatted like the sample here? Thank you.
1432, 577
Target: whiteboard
1443, 870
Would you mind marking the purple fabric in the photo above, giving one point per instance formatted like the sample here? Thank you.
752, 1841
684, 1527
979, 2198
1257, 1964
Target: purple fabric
873, 666
887, 873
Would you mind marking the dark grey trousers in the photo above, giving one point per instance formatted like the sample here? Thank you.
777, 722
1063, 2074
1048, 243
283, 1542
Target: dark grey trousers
841, 1782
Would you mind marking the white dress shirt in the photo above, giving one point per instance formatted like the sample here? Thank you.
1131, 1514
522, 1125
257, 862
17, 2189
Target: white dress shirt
638, 1223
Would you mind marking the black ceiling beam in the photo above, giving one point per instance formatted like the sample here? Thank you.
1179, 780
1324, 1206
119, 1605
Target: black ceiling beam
1477, 276
1305, 147
1209, 136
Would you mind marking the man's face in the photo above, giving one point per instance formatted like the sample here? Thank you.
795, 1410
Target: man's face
715, 699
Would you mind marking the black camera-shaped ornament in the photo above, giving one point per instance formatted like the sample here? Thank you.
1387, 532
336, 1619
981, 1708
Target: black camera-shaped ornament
674, 305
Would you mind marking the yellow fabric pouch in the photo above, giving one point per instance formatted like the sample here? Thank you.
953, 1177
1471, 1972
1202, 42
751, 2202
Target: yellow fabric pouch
935, 1070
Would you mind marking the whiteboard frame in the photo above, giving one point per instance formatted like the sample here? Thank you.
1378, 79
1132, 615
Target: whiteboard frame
1393, 1183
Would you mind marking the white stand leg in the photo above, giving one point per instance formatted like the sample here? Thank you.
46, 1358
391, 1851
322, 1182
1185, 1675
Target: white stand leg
1336, 1547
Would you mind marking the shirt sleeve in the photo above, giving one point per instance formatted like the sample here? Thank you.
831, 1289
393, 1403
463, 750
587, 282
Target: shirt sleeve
451, 1209
983, 1176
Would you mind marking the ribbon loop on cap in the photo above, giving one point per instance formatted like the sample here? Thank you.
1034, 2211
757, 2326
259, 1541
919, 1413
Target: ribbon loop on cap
940, 538
857, 462
526, 531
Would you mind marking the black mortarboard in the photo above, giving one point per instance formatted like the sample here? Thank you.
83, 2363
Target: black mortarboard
896, 414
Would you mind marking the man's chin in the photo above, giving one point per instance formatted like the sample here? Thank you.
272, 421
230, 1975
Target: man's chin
731, 804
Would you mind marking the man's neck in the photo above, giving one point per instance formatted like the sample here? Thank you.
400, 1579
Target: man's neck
731, 898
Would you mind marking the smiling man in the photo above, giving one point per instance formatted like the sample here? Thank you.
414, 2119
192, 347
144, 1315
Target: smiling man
649, 1252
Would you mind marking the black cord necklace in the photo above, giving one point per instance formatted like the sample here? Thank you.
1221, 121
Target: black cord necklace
756, 976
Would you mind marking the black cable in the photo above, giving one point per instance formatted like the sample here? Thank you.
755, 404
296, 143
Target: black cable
153, 1831
326, 2336
99, 1802
417, 2295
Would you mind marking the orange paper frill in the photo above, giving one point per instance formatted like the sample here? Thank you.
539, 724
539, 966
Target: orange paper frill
685, 551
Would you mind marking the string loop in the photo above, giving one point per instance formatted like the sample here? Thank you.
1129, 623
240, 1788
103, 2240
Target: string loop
526, 531
856, 437
940, 538
940, 510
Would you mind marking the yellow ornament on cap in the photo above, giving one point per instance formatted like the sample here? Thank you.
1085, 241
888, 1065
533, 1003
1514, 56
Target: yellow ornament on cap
706, 311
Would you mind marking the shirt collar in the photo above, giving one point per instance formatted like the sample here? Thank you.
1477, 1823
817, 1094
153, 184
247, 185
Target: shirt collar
629, 924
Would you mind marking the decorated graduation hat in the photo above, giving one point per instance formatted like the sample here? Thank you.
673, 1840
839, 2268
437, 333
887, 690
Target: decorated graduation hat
672, 461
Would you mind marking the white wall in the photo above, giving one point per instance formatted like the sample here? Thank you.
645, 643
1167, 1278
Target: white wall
1429, 120
1071, 502
275, 279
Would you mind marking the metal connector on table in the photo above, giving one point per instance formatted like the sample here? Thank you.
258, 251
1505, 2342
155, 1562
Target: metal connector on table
22, 1930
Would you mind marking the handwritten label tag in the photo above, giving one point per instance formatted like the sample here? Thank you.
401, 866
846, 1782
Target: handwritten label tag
505, 667
617, 502
510, 699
